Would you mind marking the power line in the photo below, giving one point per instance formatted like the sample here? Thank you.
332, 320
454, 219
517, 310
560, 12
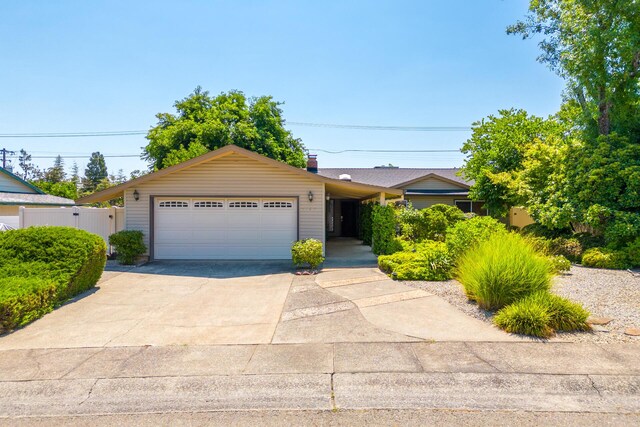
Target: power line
383, 151
72, 134
93, 134
388, 128
310, 149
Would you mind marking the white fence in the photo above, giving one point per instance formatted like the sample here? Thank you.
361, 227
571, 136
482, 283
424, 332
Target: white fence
100, 221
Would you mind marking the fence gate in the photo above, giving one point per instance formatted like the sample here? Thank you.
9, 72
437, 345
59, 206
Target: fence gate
100, 221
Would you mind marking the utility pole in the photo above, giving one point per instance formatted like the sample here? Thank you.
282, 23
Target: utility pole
4, 152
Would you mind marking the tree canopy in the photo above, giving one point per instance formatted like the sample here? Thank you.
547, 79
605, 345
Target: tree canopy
595, 46
581, 166
204, 123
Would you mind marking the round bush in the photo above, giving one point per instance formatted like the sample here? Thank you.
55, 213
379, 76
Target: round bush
502, 270
605, 258
307, 252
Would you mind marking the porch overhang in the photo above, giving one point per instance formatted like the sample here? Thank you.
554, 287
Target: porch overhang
352, 190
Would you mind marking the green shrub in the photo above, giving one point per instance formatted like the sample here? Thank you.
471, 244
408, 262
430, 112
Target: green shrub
605, 258
570, 248
129, 245
24, 299
384, 230
540, 230
525, 317
365, 231
44, 266
464, 235
633, 253
429, 223
502, 270
307, 252
428, 260
588, 240
623, 229
559, 263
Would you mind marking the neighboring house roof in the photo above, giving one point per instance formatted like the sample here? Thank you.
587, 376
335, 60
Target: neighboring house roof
393, 177
33, 199
333, 185
16, 178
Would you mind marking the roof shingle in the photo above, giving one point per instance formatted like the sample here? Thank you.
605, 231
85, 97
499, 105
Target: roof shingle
391, 177
33, 199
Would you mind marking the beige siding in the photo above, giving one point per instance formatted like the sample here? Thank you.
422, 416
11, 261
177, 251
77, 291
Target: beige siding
432, 183
518, 217
10, 185
421, 202
9, 210
233, 175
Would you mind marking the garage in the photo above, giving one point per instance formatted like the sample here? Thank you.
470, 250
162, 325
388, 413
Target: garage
224, 228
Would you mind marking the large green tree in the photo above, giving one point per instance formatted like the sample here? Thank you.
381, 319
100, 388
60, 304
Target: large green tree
203, 123
595, 46
496, 152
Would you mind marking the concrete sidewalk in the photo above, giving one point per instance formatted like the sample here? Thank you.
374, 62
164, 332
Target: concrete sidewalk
556, 377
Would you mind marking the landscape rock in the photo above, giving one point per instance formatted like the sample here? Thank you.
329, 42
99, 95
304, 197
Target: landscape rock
634, 332
599, 320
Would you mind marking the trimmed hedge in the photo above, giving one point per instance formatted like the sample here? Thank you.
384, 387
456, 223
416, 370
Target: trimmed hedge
41, 267
384, 230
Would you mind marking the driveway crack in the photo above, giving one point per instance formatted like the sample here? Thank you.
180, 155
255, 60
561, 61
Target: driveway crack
593, 385
475, 353
90, 391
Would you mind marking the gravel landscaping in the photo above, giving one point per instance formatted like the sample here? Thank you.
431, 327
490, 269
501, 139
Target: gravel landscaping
613, 294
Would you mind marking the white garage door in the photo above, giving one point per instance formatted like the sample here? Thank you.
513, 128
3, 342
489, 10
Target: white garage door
207, 228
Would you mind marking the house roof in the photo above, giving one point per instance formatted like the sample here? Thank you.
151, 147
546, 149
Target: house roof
20, 180
350, 189
393, 177
33, 199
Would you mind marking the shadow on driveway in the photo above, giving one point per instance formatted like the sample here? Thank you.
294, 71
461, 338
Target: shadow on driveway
208, 269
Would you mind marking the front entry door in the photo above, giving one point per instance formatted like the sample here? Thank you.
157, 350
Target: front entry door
349, 218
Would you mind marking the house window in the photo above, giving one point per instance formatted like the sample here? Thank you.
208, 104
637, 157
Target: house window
330, 219
208, 204
174, 204
277, 205
469, 206
243, 205
464, 205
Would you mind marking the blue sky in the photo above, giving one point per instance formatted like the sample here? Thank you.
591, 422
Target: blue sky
112, 65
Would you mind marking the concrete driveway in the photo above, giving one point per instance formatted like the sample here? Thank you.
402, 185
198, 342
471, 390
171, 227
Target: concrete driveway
205, 303
167, 304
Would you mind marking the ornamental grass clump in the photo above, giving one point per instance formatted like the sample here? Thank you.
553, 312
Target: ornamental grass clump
502, 270
541, 314
525, 317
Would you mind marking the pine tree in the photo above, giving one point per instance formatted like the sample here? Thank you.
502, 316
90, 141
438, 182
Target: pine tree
95, 172
56, 173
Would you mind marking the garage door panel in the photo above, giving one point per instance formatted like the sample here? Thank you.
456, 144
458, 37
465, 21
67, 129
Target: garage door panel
224, 228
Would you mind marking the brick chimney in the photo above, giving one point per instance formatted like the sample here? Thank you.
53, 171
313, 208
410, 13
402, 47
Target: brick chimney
312, 163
